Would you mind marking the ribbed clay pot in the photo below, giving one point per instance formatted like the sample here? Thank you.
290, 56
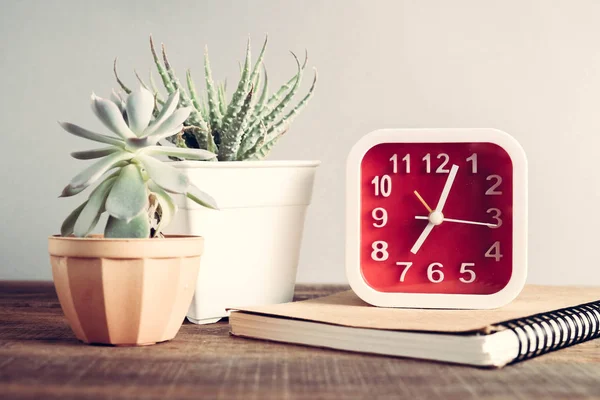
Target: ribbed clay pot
125, 291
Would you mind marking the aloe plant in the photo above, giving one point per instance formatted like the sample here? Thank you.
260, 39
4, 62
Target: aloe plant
244, 127
134, 187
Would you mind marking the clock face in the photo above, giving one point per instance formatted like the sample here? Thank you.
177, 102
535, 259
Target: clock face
436, 217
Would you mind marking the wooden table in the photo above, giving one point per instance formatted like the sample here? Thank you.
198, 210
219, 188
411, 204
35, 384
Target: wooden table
40, 358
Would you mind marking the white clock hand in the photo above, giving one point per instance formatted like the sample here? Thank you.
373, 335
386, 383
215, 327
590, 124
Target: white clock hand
460, 221
447, 187
436, 217
422, 238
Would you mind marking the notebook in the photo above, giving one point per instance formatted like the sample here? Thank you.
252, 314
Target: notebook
542, 319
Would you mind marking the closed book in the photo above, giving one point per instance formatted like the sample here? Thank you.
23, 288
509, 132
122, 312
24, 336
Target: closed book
540, 320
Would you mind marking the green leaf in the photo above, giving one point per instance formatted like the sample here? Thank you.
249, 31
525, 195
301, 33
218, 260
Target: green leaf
88, 218
256, 70
109, 114
138, 227
231, 138
192, 88
201, 197
139, 107
237, 101
161, 70
263, 95
91, 174
125, 88
166, 111
95, 153
128, 196
189, 154
273, 115
96, 137
67, 227
167, 177
185, 100
171, 126
223, 98
214, 110
284, 123
251, 147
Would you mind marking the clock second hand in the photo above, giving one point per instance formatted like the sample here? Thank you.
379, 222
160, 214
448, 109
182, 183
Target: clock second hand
460, 221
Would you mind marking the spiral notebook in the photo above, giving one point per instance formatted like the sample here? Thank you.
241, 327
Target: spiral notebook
542, 319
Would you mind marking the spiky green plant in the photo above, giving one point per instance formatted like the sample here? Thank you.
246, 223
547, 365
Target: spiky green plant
134, 187
244, 127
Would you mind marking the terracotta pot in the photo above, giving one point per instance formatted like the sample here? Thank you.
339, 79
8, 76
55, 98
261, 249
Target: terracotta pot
125, 291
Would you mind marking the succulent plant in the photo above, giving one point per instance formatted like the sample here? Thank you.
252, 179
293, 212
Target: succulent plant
134, 187
245, 127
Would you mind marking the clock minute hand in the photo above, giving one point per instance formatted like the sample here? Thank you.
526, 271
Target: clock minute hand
446, 190
435, 217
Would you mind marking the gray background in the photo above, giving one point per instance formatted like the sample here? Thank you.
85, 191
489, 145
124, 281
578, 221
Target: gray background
531, 68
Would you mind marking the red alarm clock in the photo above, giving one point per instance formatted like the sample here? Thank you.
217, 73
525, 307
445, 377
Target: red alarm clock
437, 218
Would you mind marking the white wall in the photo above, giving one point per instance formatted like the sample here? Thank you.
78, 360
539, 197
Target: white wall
531, 68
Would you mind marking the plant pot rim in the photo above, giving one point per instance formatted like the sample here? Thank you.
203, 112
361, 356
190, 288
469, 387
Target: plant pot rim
246, 164
100, 238
172, 246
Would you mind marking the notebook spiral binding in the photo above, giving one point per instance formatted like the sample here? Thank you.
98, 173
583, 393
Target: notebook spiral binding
550, 331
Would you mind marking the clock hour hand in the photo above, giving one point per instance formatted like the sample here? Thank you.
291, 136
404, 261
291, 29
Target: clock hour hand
460, 221
422, 238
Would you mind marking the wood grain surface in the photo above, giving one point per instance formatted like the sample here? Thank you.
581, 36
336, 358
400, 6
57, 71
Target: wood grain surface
40, 358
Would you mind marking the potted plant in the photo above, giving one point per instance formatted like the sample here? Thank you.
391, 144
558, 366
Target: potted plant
255, 238
132, 285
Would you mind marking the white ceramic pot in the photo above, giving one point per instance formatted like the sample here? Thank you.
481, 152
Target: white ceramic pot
252, 244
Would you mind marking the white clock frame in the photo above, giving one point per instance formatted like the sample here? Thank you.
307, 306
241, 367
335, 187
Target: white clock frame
437, 300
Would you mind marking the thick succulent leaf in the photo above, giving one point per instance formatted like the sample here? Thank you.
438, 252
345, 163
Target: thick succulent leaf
263, 95
91, 174
283, 124
138, 227
171, 126
273, 115
161, 70
125, 88
84, 133
110, 115
189, 154
223, 98
139, 106
256, 70
192, 88
67, 227
167, 177
95, 153
88, 218
235, 105
168, 208
129, 195
155, 89
201, 197
118, 100
214, 105
275, 98
196, 117
232, 137
167, 110
252, 144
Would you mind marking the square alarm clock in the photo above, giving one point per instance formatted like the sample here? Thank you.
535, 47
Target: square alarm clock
436, 218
